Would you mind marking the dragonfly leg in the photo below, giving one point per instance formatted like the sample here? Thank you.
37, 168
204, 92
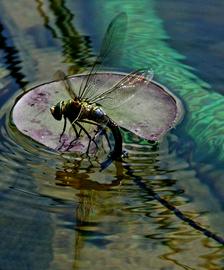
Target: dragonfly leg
63, 131
64, 127
77, 134
60, 147
104, 132
89, 137
100, 130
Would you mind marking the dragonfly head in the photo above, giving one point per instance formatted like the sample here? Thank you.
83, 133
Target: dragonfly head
57, 110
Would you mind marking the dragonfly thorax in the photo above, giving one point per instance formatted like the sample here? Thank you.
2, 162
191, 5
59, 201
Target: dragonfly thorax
71, 109
92, 112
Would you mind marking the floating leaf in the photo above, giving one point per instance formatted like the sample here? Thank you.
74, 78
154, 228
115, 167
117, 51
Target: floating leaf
149, 114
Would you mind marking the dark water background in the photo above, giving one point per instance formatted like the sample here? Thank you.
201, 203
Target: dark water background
163, 207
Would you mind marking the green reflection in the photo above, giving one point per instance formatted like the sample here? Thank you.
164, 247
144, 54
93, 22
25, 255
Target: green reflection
147, 45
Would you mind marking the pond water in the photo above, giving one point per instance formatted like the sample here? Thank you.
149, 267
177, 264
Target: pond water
162, 208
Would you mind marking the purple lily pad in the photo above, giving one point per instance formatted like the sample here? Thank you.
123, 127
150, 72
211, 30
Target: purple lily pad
149, 114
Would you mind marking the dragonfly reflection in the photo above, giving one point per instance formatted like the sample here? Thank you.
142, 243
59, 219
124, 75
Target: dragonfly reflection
88, 105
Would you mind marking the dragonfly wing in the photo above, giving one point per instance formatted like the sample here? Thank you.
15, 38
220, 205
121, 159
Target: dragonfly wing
59, 75
123, 90
112, 44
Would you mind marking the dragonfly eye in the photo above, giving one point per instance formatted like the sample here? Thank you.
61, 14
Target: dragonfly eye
56, 111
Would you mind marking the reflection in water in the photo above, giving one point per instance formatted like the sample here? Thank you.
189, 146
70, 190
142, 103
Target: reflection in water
72, 177
76, 48
10, 58
87, 228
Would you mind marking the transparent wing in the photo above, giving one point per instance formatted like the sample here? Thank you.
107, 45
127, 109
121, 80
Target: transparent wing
124, 90
59, 75
111, 48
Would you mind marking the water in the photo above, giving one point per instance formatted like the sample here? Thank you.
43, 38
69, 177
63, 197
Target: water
59, 212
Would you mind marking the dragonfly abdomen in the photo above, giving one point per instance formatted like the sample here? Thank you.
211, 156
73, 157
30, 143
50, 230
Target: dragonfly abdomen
117, 152
99, 116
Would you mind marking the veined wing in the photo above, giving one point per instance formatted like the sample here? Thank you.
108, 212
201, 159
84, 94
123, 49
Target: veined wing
111, 47
124, 89
60, 76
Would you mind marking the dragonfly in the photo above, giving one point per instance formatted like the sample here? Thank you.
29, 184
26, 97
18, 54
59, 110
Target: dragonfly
89, 103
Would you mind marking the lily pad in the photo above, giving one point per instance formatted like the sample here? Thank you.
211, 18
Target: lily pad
149, 114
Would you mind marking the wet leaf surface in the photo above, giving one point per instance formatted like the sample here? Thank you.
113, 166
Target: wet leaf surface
149, 114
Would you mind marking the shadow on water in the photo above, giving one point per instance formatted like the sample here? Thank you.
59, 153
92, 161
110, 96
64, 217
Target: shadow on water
11, 74
11, 57
62, 213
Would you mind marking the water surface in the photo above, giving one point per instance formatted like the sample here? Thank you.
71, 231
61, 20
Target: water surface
162, 208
